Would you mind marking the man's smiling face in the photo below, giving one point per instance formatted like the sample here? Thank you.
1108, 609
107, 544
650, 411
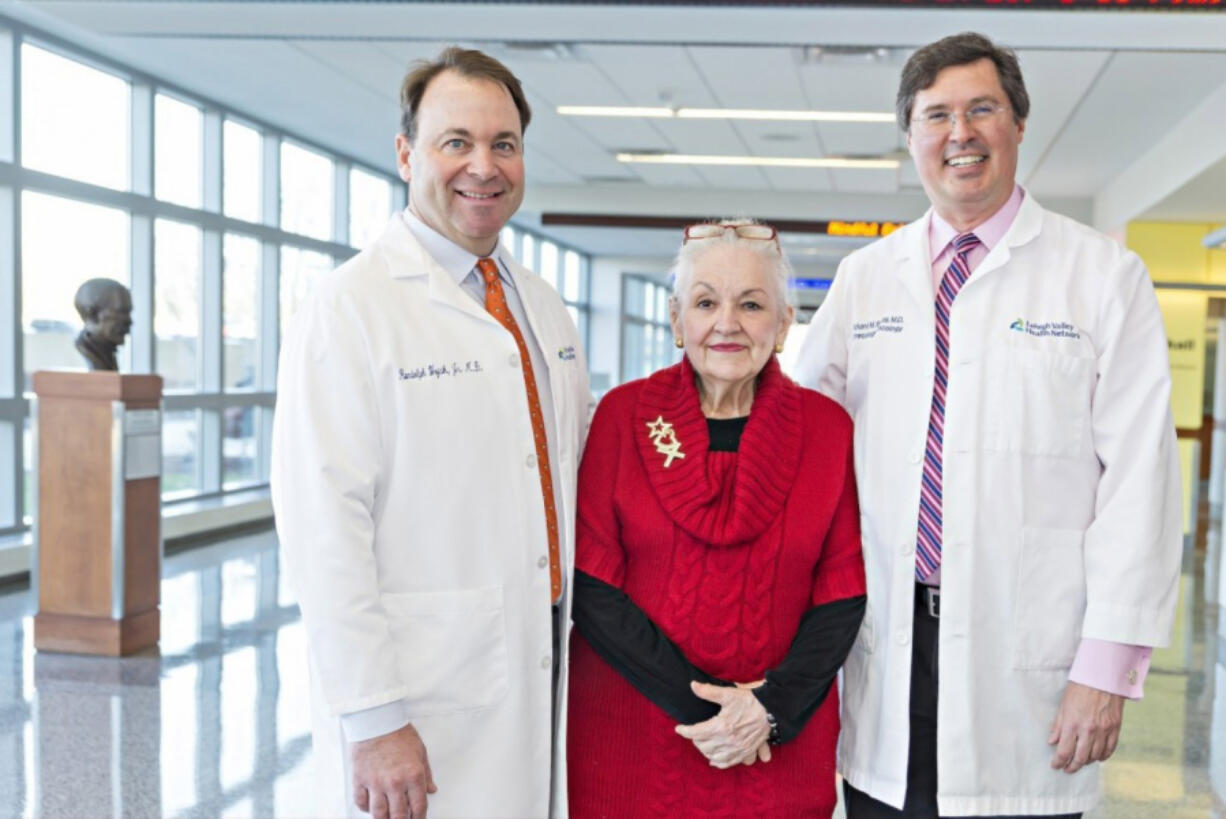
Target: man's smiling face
968, 171
465, 166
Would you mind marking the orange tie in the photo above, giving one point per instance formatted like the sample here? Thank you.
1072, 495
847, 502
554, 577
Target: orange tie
496, 304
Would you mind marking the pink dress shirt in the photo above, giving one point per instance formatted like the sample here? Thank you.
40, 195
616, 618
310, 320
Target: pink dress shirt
1118, 668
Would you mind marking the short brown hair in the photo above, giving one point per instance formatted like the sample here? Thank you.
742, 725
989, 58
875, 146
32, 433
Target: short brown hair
467, 62
921, 71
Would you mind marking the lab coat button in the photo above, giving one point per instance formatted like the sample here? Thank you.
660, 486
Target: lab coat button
513, 360
902, 637
907, 549
542, 562
530, 461
914, 456
546, 662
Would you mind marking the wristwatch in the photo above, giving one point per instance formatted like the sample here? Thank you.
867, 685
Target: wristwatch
773, 739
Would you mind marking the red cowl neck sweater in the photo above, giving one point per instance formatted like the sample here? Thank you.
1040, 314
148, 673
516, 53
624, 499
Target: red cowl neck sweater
724, 551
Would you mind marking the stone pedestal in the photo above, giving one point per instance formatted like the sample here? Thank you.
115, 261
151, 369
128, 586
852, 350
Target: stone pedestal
98, 541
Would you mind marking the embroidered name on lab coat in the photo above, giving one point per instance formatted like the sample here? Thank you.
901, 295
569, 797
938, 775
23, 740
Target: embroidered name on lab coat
440, 370
870, 329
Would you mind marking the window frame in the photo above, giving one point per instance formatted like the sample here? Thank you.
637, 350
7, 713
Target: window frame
210, 400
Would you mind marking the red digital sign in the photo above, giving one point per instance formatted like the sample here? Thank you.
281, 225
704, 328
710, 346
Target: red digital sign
1185, 5
1107, 5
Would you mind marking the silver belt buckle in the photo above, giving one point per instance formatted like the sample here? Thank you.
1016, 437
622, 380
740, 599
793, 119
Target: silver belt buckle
932, 597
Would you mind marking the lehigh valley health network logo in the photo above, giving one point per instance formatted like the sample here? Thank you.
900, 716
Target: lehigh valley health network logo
1045, 329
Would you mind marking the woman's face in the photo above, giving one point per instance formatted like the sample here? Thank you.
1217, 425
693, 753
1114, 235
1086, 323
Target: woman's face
730, 317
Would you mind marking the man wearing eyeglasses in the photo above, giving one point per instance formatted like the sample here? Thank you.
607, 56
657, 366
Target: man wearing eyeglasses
1017, 469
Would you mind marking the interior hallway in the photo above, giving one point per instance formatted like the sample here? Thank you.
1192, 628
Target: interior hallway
218, 724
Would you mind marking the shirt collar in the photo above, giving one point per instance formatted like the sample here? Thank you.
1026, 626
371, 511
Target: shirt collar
454, 259
989, 232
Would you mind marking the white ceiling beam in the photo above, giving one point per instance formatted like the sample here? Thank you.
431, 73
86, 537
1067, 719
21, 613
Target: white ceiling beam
1189, 148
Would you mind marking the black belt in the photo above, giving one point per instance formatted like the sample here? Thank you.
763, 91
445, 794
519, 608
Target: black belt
928, 600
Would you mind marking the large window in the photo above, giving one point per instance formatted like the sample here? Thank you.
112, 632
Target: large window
178, 129
64, 242
240, 317
218, 224
306, 192
567, 270
176, 307
299, 268
647, 343
370, 205
241, 171
74, 119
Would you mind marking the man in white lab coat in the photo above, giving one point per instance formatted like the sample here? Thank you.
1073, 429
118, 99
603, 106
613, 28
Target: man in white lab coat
432, 401
1006, 369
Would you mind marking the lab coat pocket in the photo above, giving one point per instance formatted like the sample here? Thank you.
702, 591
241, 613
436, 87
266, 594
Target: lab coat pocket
452, 646
1036, 401
1050, 598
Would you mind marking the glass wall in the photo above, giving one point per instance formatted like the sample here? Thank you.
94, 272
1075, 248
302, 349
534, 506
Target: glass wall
567, 270
647, 342
218, 222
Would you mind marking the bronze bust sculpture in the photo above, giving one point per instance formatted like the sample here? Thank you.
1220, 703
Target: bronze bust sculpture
105, 306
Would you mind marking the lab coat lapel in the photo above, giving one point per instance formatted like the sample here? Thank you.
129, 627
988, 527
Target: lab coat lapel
913, 266
408, 259
518, 274
1025, 227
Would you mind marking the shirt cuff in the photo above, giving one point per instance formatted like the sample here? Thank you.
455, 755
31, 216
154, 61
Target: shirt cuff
1117, 668
375, 722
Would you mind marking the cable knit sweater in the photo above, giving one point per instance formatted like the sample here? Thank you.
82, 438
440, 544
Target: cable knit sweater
724, 551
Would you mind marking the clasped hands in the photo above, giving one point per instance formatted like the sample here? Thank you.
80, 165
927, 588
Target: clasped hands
738, 734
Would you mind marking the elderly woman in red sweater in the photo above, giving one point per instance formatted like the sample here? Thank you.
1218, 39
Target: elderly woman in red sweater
719, 583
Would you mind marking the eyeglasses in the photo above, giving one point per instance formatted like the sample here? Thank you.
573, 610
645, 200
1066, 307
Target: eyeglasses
942, 122
713, 230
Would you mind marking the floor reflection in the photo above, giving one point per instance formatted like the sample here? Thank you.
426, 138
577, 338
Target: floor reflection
218, 723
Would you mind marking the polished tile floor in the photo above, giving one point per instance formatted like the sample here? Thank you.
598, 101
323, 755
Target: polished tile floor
218, 722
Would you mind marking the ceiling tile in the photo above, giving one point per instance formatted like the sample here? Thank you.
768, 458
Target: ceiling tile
799, 179
1136, 100
651, 75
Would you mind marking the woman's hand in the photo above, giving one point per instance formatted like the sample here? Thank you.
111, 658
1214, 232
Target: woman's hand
737, 734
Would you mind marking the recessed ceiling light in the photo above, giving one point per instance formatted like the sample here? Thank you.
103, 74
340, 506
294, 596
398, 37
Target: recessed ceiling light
778, 115
761, 161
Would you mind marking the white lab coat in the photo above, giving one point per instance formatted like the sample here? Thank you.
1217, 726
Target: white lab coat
1061, 496
409, 510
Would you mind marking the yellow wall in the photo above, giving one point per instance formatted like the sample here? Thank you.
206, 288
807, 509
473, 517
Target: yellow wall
1184, 312
1174, 253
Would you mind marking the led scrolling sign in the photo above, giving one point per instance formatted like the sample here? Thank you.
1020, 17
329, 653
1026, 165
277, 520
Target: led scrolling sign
1185, 5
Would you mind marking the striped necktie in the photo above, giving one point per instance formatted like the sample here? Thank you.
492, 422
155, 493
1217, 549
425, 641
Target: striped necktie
496, 305
928, 540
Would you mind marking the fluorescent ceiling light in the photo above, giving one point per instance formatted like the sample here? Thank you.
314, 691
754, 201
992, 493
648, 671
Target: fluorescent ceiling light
1216, 239
612, 111
760, 161
724, 113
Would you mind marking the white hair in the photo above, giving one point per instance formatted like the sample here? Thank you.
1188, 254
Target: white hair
781, 269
